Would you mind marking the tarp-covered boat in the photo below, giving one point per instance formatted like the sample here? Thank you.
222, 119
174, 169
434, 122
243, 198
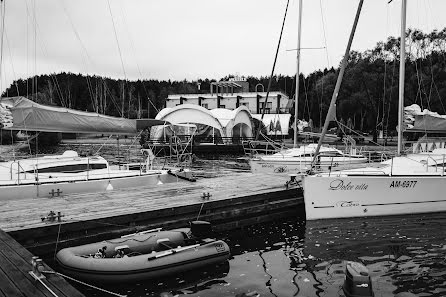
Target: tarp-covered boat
144, 255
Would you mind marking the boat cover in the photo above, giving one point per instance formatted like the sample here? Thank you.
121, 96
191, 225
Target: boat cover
30, 116
429, 123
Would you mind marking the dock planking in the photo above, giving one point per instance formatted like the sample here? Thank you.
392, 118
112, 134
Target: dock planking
15, 280
235, 201
27, 213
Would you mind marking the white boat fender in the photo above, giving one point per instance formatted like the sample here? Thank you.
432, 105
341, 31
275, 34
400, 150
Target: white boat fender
109, 187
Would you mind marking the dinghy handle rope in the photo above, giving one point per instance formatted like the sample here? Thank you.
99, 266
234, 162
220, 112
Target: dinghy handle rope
128, 239
83, 283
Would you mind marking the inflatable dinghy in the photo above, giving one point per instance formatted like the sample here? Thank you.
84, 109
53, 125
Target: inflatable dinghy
144, 255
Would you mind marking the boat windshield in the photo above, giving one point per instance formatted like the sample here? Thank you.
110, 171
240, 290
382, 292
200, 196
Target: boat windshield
71, 168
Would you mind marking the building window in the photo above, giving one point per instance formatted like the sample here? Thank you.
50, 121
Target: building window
269, 105
205, 105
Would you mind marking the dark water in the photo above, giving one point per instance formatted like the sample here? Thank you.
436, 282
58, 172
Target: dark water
298, 258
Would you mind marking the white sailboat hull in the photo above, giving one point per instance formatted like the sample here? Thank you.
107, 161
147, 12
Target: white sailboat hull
360, 196
55, 187
298, 165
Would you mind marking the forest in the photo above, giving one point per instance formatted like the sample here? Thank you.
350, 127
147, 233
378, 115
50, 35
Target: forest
368, 95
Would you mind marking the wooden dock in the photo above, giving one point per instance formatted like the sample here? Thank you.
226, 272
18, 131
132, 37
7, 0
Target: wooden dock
15, 279
236, 200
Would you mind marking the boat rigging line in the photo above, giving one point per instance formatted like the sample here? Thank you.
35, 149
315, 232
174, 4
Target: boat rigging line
272, 70
332, 110
296, 93
3, 13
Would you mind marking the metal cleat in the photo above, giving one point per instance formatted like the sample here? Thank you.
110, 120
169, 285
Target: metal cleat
206, 196
52, 217
292, 182
37, 268
55, 193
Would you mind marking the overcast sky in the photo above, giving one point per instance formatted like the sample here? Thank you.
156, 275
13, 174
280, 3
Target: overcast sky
191, 39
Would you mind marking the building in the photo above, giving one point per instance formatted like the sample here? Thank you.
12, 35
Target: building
233, 94
224, 124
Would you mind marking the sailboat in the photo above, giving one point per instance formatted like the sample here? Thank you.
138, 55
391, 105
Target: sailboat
299, 159
409, 184
58, 175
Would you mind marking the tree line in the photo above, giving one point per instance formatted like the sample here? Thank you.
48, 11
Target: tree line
368, 95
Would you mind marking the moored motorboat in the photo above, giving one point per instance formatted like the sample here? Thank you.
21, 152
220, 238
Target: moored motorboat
143, 255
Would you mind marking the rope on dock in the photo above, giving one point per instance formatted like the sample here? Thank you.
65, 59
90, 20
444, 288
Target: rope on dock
46, 286
83, 283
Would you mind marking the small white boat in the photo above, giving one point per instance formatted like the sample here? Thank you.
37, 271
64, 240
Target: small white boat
55, 175
295, 160
144, 255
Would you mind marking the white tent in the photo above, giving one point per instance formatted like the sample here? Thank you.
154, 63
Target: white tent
227, 123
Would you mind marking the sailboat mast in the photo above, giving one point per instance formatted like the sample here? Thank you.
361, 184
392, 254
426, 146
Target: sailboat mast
296, 95
402, 73
331, 110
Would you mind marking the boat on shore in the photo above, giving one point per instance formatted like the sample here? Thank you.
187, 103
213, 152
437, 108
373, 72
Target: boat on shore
56, 175
144, 255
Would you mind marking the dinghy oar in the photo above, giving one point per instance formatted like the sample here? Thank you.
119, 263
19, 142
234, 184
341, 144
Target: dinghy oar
172, 251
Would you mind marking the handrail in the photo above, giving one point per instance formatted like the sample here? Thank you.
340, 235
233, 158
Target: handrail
435, 162
442, 172
18, 170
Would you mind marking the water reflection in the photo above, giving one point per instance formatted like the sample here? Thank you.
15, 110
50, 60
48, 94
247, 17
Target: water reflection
188, 283
298, 258
403, 254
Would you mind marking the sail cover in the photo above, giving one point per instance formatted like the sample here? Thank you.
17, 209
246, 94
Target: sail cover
30, 116
429, 123
417, 120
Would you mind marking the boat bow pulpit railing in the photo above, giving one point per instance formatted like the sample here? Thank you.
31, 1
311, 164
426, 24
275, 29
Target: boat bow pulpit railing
267, 146
150, 157
19, 167
350, 144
